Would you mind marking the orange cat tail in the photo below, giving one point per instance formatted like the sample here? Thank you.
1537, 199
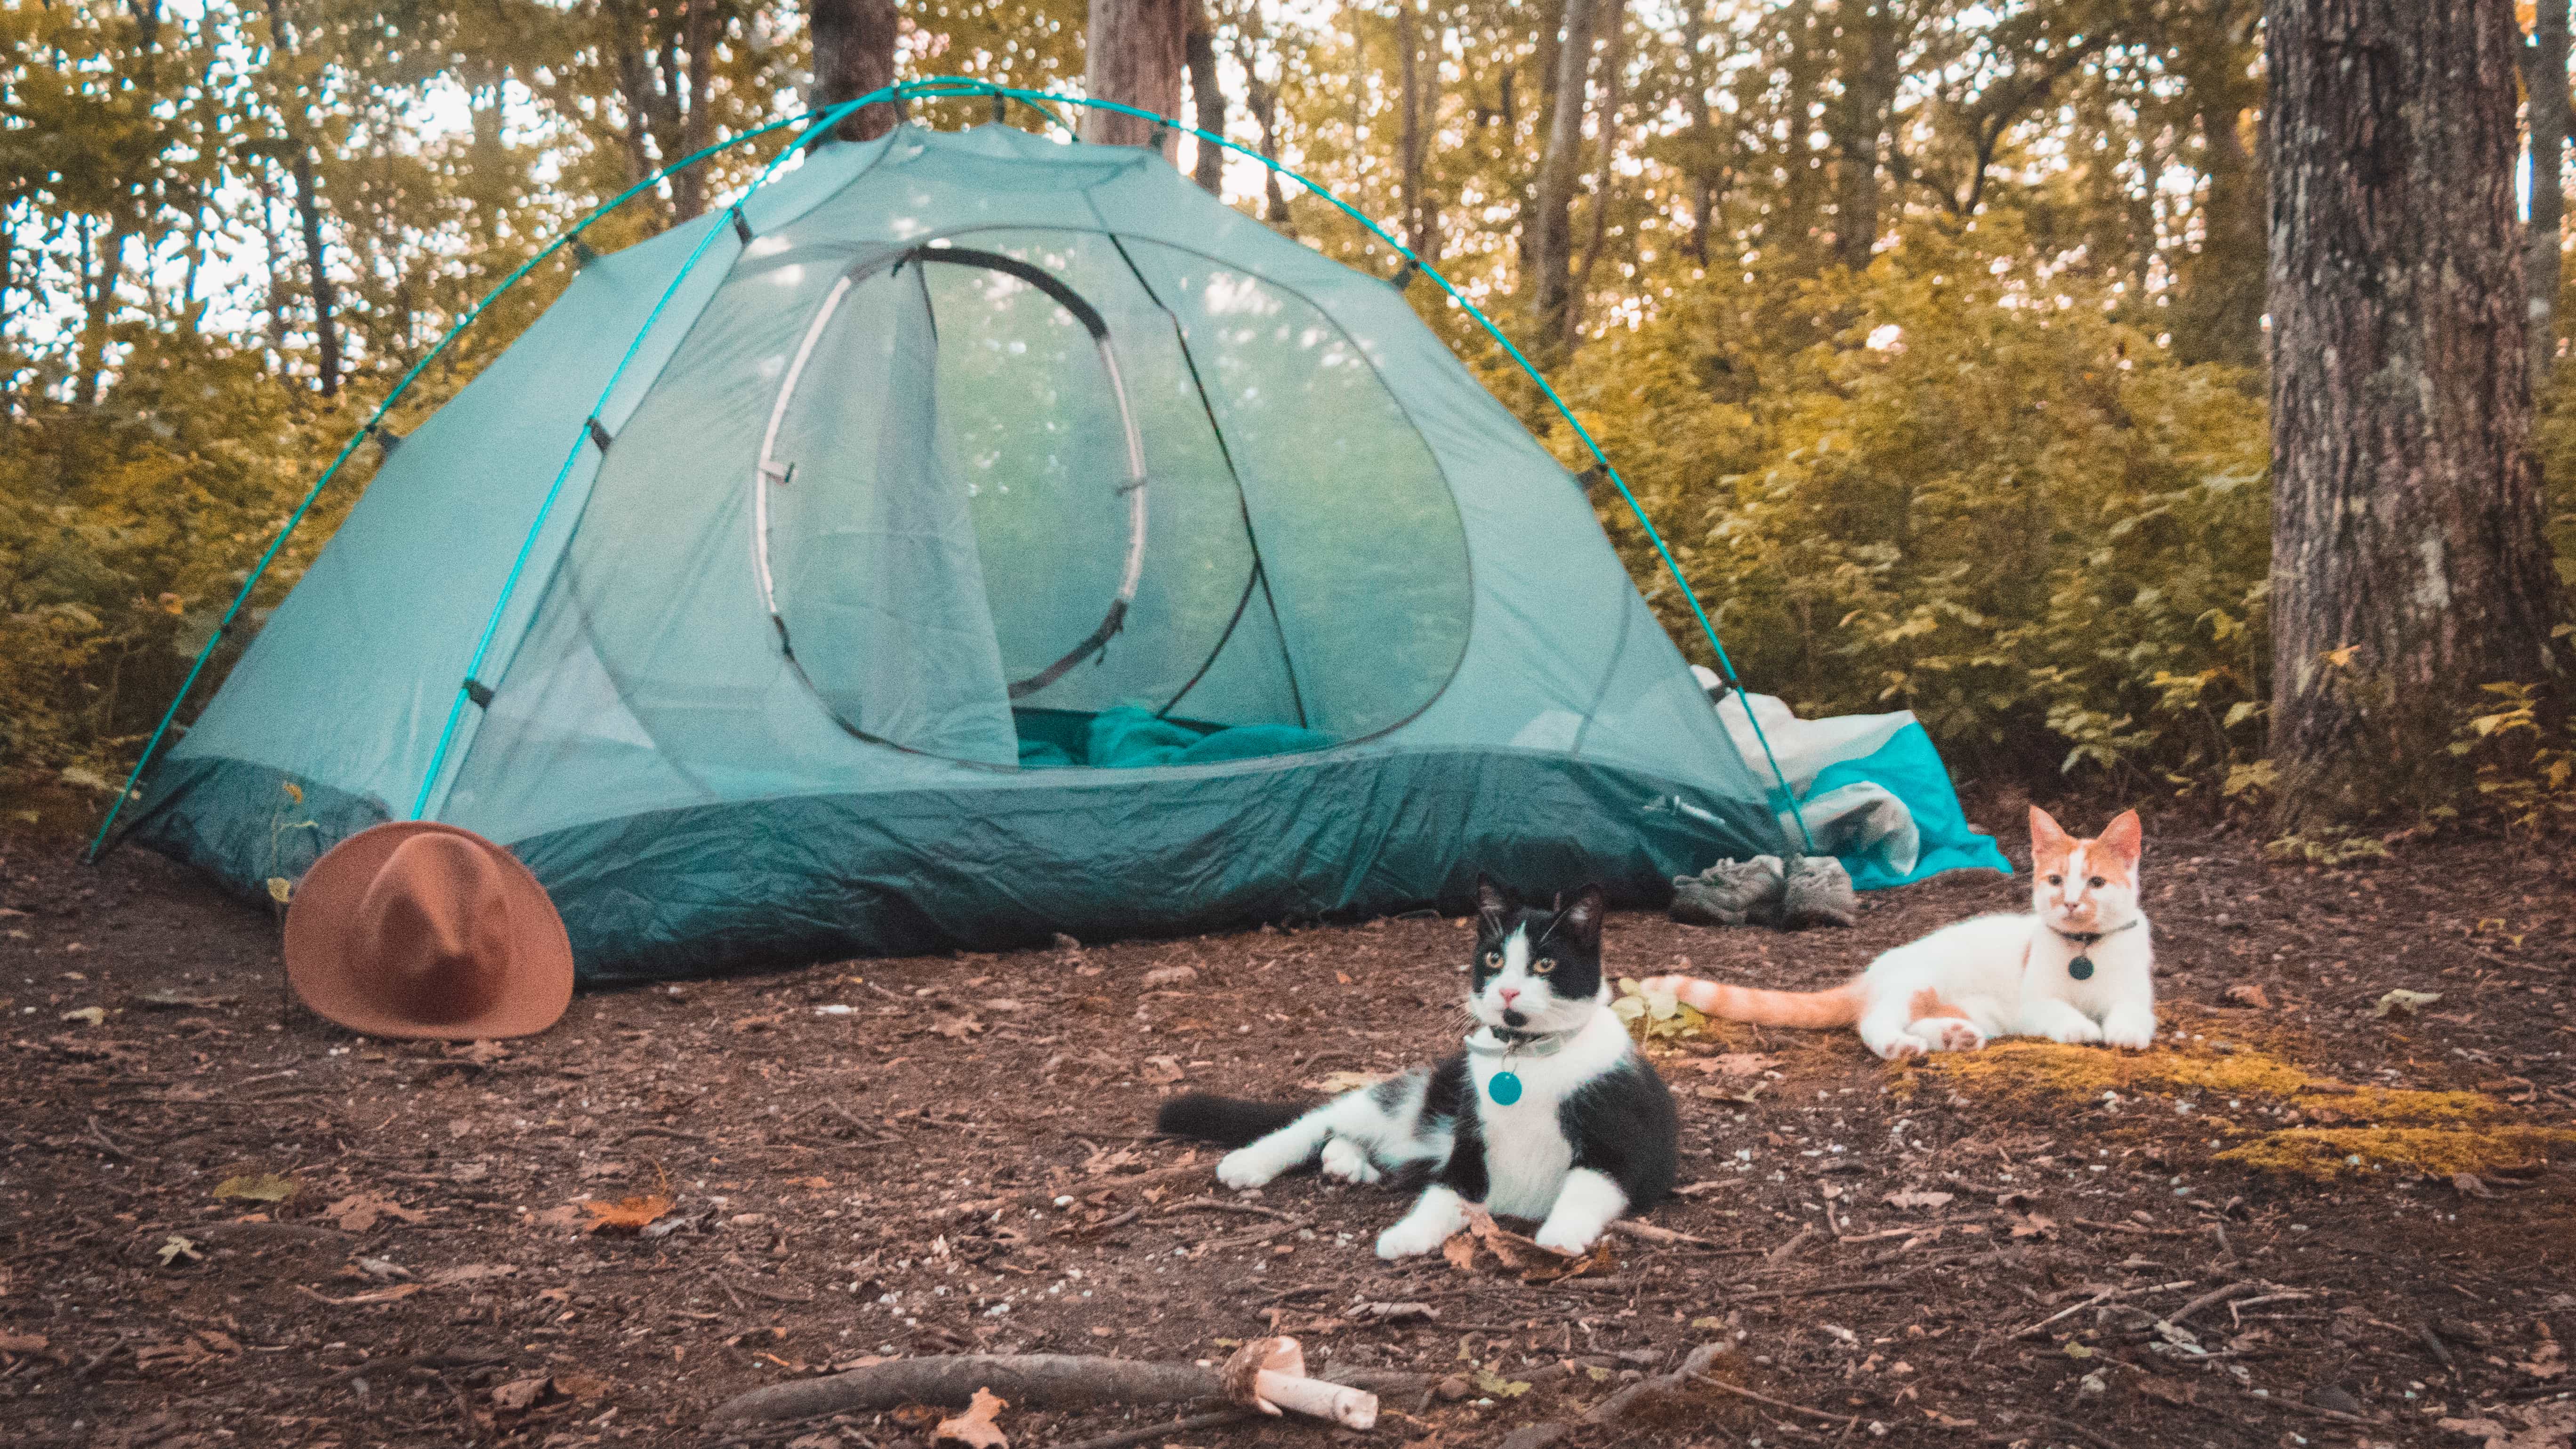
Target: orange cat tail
1840, 1006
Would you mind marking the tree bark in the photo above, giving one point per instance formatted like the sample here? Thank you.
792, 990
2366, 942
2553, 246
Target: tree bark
2408, 567
1418, 235
1133, 55
2546, 91
1551, 225
697, 129
1869, 90
854, 54
1207, 99
1700, 138
308, 210
1614, 63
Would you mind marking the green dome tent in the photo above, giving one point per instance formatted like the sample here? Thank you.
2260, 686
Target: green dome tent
967, 537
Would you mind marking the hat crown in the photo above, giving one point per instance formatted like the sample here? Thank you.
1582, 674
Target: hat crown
434, 926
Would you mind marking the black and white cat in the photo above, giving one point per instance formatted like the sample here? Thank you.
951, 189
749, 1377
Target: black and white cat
1549, 1113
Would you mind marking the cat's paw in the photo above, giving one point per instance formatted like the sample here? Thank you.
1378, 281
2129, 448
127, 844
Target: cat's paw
1349, 1162
1897, 1048
1245, 1167
2135, 1036
1949, 1034
2075, 1031
1567, 1238
1411, 1238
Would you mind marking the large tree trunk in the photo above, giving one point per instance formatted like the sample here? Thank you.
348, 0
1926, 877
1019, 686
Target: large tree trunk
1551, 224
1207, 99
2546, 89
2408, 567
853, 55
1869, 90
1133, 56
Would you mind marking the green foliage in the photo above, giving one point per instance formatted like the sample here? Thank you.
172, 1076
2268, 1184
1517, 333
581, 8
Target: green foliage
1954, 483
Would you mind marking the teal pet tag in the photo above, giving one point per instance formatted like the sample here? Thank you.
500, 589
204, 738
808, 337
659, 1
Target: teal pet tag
2081, 968
1505, 1088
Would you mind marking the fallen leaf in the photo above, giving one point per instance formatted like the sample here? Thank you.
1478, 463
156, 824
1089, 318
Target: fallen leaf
1733, 1064
626, 1215
469, 1273
1516, 1254
476, 1053
2404, 1000
175, 1248
520, 1394
1171, 976
1489, 1382
361, 1211
581, 1386
181, 1001
1393, 1312
380, 1270
95, 1016
257, 1187
818, 1184
22, 1343
2171, 1391
2247, 994
281, 890
2469, 1184
2548, 1363
975, 1428
1162, 1071
1917, 1199
956, 1028
567, 1216
1344, 1081
2036, 1225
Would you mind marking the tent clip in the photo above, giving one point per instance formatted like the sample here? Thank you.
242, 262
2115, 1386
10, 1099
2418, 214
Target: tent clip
598, 434
582, 255
1590, 479
1404, 275
386, 438
479, 692
741, 227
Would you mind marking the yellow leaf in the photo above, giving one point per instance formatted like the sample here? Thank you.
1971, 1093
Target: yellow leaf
257, 1187
280, 889
294, 792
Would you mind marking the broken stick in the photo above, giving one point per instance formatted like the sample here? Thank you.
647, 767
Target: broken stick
1030, 1380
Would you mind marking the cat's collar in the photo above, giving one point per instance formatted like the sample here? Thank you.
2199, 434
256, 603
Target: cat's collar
2087, 938
1496, 1041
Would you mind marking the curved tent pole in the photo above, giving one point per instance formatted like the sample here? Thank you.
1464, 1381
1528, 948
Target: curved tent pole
822, 121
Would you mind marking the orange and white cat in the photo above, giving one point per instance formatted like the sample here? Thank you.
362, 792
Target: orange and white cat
2079, 968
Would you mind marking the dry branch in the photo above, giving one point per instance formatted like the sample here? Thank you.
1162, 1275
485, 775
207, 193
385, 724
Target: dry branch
1030, 1380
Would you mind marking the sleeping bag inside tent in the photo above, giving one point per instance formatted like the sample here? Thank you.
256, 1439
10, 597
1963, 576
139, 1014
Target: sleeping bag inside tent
969, 538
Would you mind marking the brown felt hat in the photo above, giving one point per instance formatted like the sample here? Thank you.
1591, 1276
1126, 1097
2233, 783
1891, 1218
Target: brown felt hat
417, 929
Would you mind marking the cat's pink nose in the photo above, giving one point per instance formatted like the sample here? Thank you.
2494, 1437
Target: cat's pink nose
1507, 993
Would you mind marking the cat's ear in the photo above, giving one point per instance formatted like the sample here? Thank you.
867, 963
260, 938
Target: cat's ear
2047, 837
2124, 837
1583, 915
1491, 900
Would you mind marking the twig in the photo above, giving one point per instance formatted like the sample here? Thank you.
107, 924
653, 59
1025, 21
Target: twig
1817, 1291
1782, 1253
1740, 1392
773, 1295
1219, 1205
2210, 1299
2105, 1296
2311, 1410
1031, 1380
1152, 1432
1648, 1232
2079, 1431
650, 1130
2431, 1340
1618, 1405
109, 1142
2135, 1229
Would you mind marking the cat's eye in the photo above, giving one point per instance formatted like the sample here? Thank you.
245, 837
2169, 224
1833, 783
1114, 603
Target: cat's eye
1541, 968
1493, 958
2057, 880
2097, 882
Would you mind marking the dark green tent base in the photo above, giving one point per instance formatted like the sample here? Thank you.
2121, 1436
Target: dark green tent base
717, 888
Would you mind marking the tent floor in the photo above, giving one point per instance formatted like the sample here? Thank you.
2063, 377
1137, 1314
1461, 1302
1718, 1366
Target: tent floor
810, 1152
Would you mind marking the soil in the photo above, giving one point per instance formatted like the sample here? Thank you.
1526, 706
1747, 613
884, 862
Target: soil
953, 1154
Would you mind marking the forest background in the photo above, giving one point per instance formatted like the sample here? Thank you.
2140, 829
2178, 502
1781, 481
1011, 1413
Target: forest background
1931, 333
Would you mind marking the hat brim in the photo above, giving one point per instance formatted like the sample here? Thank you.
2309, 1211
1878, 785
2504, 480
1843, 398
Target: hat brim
327, 970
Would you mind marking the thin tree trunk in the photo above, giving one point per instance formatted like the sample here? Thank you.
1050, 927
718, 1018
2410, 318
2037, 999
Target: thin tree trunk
1700, 139
697, 128
2546, 90
1133, 55
854, 43
1263, 102
308, 210
1552, 224
1207, 99
1869, 90
1417, 210
2408, 567
1614, 63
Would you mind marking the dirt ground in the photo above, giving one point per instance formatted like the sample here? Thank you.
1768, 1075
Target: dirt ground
2296, 1222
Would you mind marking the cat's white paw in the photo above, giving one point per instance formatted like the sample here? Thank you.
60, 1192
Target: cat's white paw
2129, 1035
1569, 1239
1245, 1167
1949, 1034
2078, 1032
1901, 1046
1349, 1162
1412, 1238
